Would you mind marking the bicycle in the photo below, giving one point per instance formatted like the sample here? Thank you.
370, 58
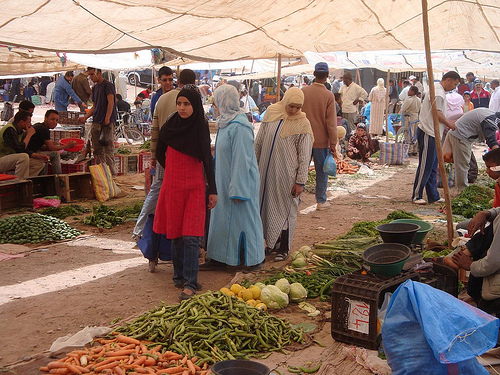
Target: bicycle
123, 131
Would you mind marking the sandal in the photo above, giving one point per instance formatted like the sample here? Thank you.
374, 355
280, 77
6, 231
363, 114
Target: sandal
281, 256
181, 285
184, 296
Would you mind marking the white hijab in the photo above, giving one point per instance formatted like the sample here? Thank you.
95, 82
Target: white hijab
227, 99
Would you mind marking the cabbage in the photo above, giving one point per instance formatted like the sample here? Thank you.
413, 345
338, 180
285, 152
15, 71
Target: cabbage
297, 254
305, 250
273, 297
284, 285
297, 293
299, 262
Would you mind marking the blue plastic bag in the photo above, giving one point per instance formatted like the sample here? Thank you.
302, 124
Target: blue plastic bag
330, 166
428, 331
154, 245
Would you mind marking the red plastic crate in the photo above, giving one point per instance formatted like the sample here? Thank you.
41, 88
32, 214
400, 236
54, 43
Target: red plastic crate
118, 165
144, 161
71, 168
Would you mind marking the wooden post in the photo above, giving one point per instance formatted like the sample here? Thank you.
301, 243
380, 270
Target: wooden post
387, 106
437, 134
278, 79
178, 73
358, 77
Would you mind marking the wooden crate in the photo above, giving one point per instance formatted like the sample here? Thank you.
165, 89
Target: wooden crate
75, 186
16, 193
44, 186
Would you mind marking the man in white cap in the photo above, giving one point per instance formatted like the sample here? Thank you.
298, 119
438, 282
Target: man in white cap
415, 82
319, 107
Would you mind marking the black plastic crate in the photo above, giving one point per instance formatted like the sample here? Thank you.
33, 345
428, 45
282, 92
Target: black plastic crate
356, 299
441, 277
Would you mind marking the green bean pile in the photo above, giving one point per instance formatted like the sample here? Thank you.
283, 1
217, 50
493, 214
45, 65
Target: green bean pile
214, 327
35, 228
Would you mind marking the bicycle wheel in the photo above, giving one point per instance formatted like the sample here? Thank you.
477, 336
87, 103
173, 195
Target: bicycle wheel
400, 135
132, 135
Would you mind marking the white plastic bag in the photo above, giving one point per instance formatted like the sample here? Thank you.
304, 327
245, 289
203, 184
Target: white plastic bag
79, 339
364, 169
383, 309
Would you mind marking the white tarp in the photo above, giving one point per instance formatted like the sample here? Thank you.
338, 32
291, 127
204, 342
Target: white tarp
241, 29
114, 61
481, 63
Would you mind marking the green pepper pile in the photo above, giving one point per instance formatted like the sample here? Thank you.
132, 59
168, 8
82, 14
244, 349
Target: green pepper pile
35, 228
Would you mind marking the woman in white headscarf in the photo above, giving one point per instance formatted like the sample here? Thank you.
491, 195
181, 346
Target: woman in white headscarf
235, 236
377, 97
283, 147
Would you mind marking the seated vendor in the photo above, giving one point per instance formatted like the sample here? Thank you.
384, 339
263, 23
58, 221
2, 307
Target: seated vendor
361, 146
42, 144
480, 254
482, 259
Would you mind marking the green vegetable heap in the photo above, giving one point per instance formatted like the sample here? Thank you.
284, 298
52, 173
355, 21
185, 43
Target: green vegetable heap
472, 199
367, 228
107, 217
35, 228
212, 326
62, 212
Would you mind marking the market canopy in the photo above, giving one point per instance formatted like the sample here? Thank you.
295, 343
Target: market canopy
17, 61
219, 30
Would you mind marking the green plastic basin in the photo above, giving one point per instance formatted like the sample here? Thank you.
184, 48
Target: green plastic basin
387, 259
425, 228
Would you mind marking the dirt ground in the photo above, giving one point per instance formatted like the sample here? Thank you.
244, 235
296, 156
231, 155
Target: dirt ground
31, 321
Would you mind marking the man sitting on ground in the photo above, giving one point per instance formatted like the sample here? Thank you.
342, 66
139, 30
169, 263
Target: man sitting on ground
41, 143
14, 154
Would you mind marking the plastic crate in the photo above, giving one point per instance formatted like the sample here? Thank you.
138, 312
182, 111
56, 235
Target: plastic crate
144, 161
356, 299
71, 168
57, 134
69, 117
130, 164
441, 277
118, 165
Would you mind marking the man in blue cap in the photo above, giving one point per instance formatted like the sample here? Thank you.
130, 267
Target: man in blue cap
319, 107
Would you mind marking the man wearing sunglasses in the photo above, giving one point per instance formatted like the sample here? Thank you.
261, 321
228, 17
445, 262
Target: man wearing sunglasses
166, 81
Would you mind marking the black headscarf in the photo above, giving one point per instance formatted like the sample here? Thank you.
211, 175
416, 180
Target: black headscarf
190, 135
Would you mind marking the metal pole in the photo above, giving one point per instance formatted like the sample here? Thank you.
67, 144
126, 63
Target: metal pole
278, 79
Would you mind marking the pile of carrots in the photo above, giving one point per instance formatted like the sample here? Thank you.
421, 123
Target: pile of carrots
343, 167
124, 356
